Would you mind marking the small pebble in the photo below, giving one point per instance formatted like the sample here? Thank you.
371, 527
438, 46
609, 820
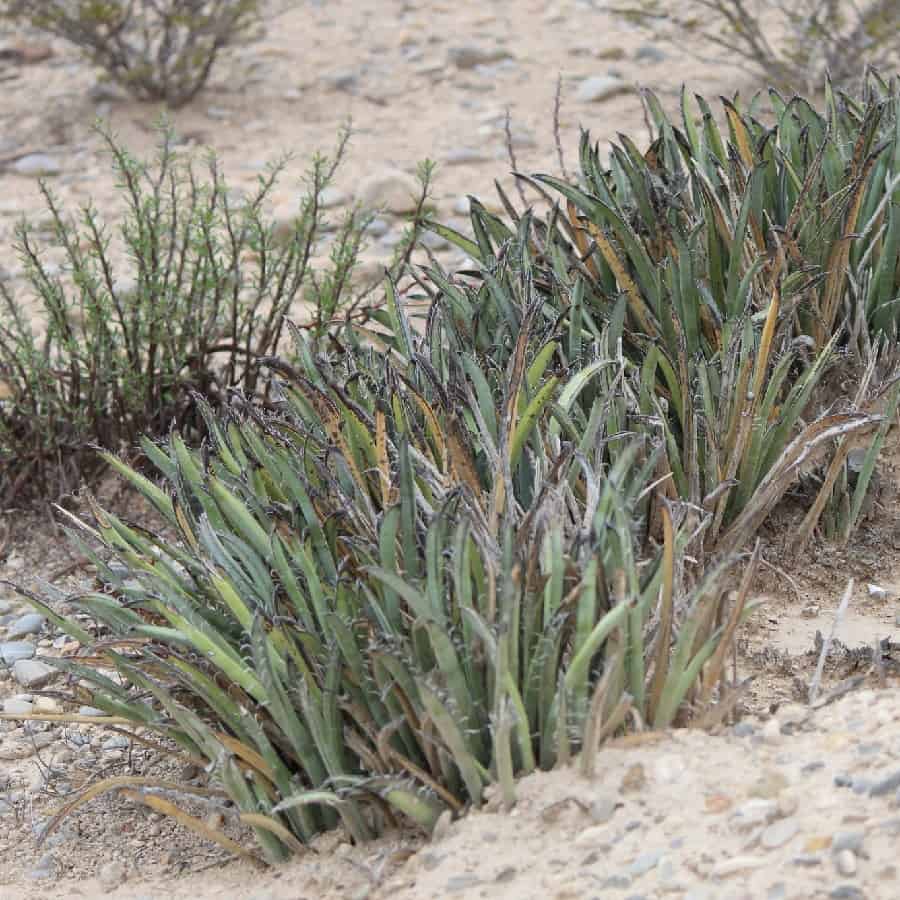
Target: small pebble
845, 862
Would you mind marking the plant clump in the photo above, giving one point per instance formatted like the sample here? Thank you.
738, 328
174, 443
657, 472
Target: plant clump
498, 521
183, 299
157, 49
792, 44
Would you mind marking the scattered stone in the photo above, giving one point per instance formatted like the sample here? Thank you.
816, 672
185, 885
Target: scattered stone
26, 53
634, 779
717, 803
468, 56
811, 611
779, 833
462, 156
886, 785
601, 87
788, 804
442, 826
91, 711
32, 673
12, 706
644, 863
329, 197
462, 882
769, 785
807, 860
343, 80
46, 705
391, 190
845, 862
650, 53
848, 840
594, 836
743, 730
771, 731
111, 875
754, 813
727, 867
847, 892
876, 592
12, 651
616, 883
44, 869
30, 623
603, 809
791, 716
37, 165
117, 742
611, 54
378, 227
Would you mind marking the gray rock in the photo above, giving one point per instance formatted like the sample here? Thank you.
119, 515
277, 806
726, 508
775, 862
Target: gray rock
44, 869
330, 197
848, 840
650, 53
117, 742
779, 833
391, 190
11, 651
603, 809
377, 227
645, 863
601, 87
36, 165
754, 813
111, 875
433, 241
30, 623
462, 882
886, 785
847, 892
861, 786
845, 862
461, 156
14, 707
616, 883
32, 673
726, 867
468, 56
343, 80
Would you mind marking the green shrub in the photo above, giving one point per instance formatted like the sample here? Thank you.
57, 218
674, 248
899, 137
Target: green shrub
789, 43
736, 269
157, 49
426, 571
455, 548
120, 350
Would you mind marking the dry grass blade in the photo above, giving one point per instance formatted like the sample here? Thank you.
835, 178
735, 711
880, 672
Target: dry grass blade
198, 826
121, 782
826, 645
716, 665
636, 301
666, 604
259, 820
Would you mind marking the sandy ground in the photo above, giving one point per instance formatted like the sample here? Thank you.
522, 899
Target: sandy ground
796, 804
